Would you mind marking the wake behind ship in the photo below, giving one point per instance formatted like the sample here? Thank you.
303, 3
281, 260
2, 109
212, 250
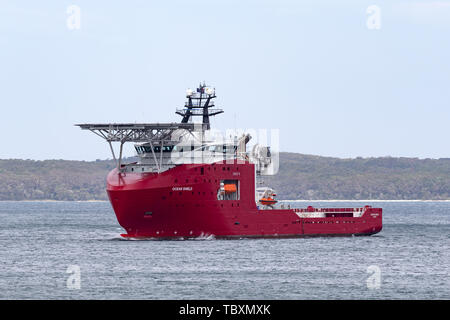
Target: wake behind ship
189, 183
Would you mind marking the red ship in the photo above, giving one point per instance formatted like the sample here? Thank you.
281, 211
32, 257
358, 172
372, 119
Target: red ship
189, 185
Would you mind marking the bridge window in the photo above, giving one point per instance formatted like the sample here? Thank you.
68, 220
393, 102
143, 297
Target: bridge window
158, 149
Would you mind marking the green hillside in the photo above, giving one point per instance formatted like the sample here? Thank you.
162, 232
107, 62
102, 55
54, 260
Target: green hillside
53, 180
313, 177
300, 177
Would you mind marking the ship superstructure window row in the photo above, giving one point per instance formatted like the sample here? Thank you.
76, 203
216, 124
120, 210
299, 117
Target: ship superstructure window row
211, 148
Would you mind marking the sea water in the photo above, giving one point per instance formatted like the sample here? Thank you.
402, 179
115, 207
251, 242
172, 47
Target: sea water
73, 250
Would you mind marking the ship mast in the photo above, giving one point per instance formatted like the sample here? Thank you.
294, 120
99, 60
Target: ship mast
199, 104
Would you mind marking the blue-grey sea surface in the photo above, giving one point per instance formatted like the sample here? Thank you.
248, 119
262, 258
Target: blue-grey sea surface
72, 250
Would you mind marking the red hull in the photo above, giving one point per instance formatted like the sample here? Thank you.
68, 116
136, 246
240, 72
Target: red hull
182, 203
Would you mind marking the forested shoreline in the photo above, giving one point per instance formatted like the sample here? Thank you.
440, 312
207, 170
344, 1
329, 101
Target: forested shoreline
300, 176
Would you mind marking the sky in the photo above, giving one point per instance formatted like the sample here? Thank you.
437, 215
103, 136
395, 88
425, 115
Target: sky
336, 78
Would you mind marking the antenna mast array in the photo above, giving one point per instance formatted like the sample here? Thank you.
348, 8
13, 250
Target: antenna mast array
199, 104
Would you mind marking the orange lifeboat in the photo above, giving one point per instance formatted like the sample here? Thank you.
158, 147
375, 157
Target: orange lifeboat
230, 188
267, 201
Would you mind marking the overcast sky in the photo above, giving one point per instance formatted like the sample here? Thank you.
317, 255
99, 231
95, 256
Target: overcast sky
337, 78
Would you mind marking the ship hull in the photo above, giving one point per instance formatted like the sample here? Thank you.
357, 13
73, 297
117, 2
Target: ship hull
182, 202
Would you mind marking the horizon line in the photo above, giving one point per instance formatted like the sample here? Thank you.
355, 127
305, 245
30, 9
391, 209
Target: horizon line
299, 153
329, 200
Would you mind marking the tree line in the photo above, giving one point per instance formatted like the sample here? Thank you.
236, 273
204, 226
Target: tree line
300, 177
